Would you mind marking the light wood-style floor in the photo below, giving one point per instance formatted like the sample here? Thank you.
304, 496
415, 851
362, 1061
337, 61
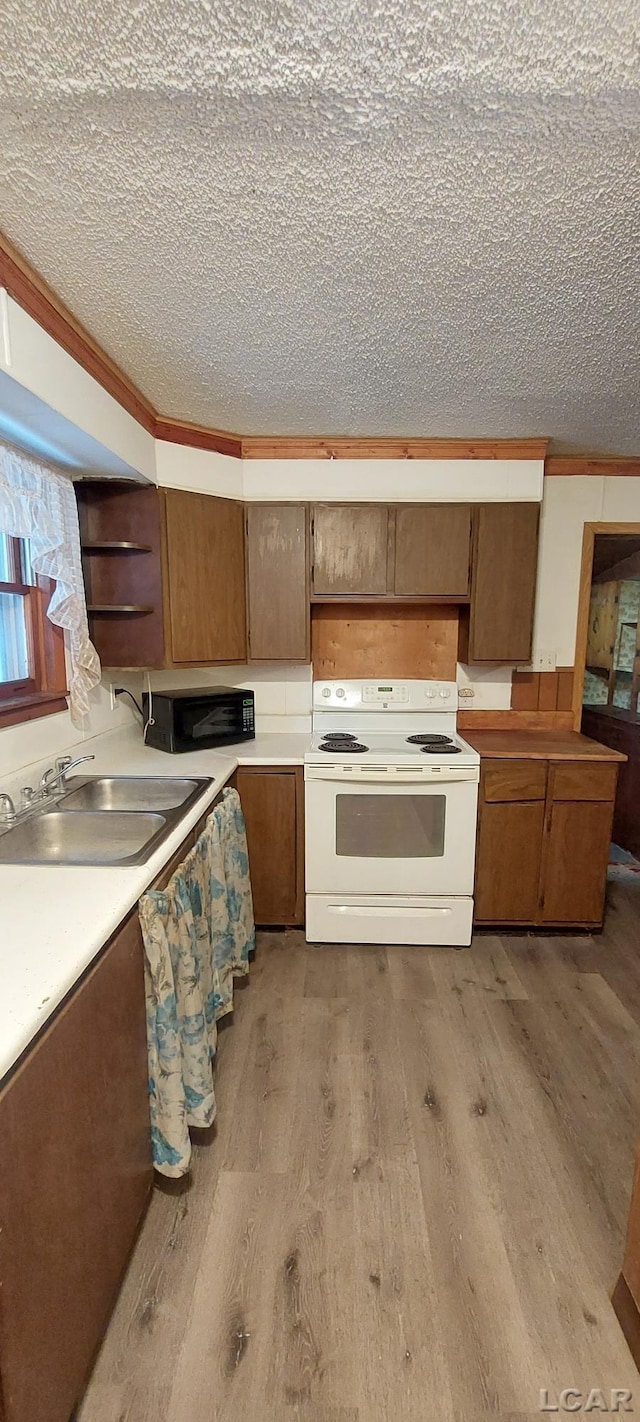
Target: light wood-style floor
413, 1205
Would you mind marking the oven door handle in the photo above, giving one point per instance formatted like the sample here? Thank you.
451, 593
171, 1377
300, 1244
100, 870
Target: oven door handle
395, 775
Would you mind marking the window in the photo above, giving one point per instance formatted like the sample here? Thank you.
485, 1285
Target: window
32, 667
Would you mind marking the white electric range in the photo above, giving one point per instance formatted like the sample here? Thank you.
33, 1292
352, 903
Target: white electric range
391, 802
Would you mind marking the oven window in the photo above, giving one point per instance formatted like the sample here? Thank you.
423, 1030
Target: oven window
390, 826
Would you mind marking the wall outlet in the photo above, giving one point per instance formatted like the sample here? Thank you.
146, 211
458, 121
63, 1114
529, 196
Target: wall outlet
543, 662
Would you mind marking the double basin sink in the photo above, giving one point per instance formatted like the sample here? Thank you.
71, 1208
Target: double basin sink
118, 820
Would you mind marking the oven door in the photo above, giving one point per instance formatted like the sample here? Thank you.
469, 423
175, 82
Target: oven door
372, 833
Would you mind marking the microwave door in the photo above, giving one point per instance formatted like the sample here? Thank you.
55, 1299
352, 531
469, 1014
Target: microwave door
200, 721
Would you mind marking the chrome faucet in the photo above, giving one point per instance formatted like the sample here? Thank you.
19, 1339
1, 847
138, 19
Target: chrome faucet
8, 814
56, 775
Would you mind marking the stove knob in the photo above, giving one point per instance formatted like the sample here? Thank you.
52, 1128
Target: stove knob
340, 693
326, 691
445, 694
430, 693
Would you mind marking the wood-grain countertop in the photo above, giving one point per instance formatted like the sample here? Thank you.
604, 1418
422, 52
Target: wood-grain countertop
539, 745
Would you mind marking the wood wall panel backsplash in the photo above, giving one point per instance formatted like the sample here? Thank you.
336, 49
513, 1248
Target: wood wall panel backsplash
542, 691
354, 641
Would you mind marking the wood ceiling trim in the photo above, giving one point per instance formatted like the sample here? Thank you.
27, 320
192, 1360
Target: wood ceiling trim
37, 298
623, 465
198, 436
366, 447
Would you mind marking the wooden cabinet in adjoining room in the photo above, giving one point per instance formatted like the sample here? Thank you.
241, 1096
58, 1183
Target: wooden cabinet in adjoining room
278, 611
544, 830
272, 799
350, 550
432, 550
205, 577
503, 584
76, 1175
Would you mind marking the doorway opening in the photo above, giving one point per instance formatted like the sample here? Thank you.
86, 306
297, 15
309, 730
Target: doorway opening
607, 687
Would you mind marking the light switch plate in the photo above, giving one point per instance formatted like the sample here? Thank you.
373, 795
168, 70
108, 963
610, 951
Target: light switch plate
543, 662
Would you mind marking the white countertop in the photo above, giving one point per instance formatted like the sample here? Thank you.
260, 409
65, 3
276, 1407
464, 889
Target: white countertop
54, 920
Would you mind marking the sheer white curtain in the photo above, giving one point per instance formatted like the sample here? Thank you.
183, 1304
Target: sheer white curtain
38, 503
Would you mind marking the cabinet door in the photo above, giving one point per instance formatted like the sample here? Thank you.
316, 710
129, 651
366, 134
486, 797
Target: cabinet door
76, 1173
205, 573
432, 550
277, 582
272, 804
576, 855
503, 582
350, 550
508, 862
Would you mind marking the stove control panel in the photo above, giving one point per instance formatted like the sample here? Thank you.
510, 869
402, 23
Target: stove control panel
385, 692
385, 695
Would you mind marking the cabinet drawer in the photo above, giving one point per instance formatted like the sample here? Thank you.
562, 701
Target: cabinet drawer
582, 780
504, 780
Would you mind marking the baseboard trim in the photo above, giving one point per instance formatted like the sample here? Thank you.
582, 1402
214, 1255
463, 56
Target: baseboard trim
628, 1316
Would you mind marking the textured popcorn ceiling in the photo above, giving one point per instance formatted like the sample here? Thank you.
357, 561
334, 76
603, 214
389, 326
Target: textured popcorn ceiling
340, 216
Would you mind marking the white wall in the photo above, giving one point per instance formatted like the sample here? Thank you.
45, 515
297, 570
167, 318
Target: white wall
282, 692
37, 743
37, 363
200, 470
567, 505
398, 480
283, 703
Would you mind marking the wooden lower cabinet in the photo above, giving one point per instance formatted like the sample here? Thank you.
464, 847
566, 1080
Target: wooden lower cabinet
508, 862
272, 799
576, 855
544, 832
76, 1175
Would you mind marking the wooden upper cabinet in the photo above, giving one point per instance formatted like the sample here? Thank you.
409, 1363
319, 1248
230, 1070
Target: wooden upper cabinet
205, 577
278, 582
432, 550
503, 583
350, 550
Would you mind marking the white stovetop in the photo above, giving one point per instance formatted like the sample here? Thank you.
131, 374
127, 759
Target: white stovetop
390, 749
54, 920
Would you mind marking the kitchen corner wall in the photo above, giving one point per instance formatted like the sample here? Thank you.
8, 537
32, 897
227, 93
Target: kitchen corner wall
282, 691
35, 743
567, 505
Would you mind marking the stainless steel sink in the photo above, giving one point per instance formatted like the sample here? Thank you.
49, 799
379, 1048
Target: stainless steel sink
130, 792
107, 819
89, 837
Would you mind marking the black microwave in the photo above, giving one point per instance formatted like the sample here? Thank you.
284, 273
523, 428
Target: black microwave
198, 718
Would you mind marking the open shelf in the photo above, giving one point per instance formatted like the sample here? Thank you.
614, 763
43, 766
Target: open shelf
117, 609
120, 545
